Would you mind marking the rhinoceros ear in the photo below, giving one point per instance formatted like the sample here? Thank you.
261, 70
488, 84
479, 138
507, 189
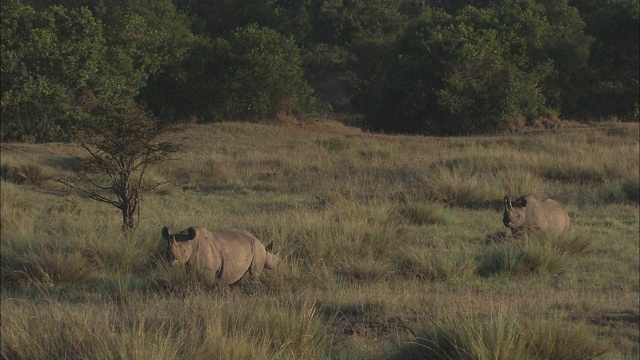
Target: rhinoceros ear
192, 233
269, 247
165, 233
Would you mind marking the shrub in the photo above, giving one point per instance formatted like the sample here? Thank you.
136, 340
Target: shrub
453, 74
58, 70
263, 76
631, 190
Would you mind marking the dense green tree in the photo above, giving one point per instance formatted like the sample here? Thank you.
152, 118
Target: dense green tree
254, 73
264, 77
218, 18
428, 66
190, 88
58, 63
53, 71
611, 87
567, 46
143, 36
477, 70
450, 74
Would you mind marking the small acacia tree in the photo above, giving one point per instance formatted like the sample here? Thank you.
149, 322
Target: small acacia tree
120, 150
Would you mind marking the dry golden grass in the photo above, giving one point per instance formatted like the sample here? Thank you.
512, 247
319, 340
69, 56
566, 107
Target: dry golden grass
382, 237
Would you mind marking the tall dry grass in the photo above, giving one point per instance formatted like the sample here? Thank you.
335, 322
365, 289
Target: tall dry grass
502, 335
382, 240
201, 325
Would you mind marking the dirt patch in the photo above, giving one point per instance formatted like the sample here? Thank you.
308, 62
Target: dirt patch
611, 319
374, 327
38, 149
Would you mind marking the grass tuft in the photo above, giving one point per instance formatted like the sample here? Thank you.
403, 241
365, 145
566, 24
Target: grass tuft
362, 270
435, 264
626, 191
334, 144
121, 255
556, 339
498, 237
12, 198
502, 335
521, 258
425, 214
465, 336
162, 328
573, 244
374, 153
29, 173
44, 267
451, 187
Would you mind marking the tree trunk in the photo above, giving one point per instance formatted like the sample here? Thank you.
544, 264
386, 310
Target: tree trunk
127, 219
129, 208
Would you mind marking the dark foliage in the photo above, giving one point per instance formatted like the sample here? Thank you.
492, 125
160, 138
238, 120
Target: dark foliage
437, 67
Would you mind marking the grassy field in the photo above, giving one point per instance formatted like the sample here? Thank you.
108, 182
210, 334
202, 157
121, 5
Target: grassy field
392, 247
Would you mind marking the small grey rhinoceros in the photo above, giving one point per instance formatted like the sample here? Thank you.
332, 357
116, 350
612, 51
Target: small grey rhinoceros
528, 214
223, 257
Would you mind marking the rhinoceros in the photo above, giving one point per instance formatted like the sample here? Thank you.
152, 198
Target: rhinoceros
223, 257
528, 214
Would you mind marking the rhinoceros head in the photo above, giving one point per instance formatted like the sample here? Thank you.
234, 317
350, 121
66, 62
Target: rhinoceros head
179, 246
514, 213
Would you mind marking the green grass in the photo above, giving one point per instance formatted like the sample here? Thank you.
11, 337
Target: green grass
392, 247
521, 258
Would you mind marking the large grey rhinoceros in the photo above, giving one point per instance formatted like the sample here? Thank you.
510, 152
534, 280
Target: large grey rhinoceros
222, 257
528, 214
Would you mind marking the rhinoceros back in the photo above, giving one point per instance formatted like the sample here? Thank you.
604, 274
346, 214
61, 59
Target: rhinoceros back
546, 216
556, 216
236, 249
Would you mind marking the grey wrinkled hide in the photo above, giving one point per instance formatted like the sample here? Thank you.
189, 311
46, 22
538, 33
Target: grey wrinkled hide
224, 257
528, 214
